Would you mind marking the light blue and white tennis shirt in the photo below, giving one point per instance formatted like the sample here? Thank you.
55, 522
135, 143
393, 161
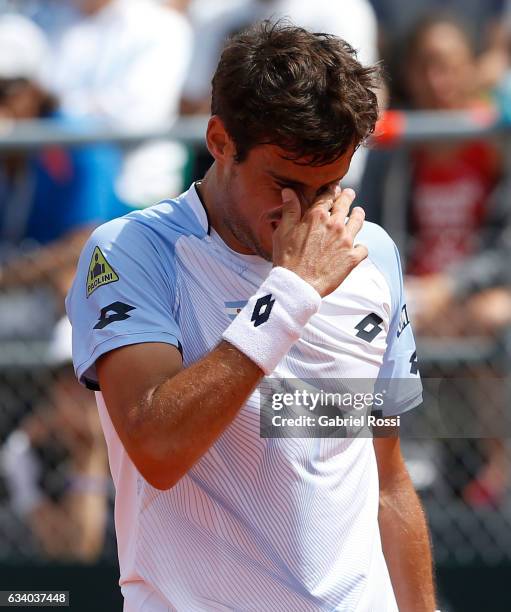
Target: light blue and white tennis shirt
257, 524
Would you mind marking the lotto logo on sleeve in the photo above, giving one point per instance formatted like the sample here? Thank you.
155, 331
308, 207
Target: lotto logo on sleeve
100, 272
369, 327
112, 313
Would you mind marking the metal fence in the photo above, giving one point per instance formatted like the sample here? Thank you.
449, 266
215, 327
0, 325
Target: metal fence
55, 495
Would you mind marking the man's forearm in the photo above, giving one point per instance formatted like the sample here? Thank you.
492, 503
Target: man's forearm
406, 546
182, 417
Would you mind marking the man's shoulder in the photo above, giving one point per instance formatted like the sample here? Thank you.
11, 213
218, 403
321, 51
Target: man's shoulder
377, 240
383, 254
138, 249
164, 222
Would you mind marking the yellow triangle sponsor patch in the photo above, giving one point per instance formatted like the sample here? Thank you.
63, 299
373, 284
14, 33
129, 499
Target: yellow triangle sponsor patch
100, 272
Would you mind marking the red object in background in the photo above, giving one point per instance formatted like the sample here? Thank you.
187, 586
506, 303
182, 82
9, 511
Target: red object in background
57, 163
450, 192
479, 495
390, 128
484, 114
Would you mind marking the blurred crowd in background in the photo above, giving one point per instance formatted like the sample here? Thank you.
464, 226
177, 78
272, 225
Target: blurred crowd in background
143, 63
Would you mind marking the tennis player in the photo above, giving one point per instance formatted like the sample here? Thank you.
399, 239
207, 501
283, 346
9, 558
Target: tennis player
180, 310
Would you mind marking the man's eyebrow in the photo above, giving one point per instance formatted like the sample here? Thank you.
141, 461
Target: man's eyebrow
286, 180
294, 183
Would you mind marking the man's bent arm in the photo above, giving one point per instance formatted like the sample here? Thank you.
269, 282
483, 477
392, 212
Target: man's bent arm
168, 417
404, 532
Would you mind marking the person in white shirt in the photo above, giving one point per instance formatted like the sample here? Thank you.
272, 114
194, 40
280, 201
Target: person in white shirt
179, 311
125, 63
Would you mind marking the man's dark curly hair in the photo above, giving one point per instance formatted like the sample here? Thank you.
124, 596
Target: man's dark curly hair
307, 93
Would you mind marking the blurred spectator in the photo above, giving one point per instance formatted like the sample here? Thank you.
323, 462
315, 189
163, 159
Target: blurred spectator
352, 20
64, 502
178, 5
455, 195
52, 16
448, 205
53, 198
124, 62
50, 202
486, 23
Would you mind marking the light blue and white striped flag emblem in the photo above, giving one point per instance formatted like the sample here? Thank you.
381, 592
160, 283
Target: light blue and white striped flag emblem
233, 308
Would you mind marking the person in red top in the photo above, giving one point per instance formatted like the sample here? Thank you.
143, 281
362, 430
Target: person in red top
456, 179
447, 206
447, 203
451, 190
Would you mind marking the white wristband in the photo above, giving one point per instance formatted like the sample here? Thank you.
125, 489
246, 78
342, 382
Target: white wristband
274, 318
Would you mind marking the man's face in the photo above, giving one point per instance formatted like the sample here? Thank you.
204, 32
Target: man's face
252, 205
441, 74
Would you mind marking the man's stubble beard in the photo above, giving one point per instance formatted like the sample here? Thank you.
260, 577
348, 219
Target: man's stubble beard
240, 228
242, 232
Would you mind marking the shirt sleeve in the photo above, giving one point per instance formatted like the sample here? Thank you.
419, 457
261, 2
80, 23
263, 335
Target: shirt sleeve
123, 293
399, 377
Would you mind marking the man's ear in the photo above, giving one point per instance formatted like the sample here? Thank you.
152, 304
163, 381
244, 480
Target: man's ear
219, 143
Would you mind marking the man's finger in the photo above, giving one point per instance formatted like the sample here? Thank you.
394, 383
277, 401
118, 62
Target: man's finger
343, 202
360, 251
355, 221
326, 200
291, 209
